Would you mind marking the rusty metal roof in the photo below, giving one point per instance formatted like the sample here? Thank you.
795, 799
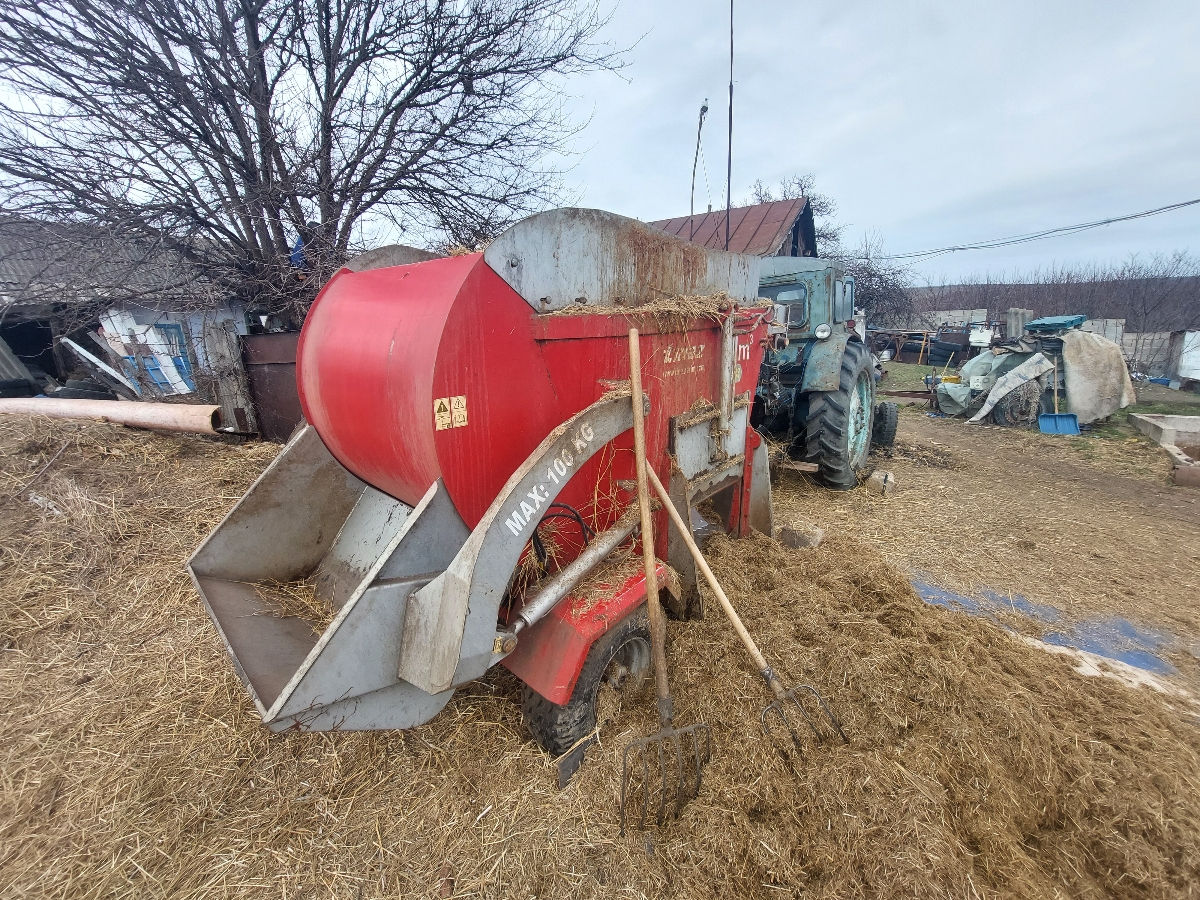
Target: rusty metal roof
765, 229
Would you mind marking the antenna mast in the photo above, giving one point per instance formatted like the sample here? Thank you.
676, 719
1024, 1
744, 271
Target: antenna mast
695, 160
729, 156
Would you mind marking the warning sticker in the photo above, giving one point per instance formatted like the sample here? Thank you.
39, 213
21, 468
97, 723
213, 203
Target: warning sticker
449, 412
441, 413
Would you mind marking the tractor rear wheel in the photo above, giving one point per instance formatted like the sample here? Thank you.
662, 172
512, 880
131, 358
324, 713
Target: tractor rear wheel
618, 661
835, 432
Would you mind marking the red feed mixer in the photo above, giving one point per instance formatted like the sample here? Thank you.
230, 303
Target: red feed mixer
468, 465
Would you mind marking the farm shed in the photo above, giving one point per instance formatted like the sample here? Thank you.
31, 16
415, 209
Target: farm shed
72, 295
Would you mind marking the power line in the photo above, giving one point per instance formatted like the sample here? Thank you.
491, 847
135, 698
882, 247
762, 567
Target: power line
1037, 235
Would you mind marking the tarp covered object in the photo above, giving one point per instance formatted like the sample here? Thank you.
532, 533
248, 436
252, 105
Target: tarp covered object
953, 399
1030, 369
1097, 379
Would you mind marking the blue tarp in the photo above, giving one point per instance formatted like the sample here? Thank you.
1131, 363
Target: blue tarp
1055, 323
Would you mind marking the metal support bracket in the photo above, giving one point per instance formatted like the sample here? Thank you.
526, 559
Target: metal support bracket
450, 629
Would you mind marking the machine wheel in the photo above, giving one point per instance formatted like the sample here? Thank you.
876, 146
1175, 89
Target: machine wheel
1019, 407
619, 660
836, 430
84, 389
883, 431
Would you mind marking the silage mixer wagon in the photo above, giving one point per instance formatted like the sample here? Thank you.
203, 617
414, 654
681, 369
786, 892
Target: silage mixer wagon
462, 415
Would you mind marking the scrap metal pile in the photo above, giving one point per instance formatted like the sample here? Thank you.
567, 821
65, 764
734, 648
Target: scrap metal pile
1025, 381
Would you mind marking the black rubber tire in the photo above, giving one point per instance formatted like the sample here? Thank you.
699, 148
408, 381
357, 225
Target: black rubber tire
821, 437
883, 429
84, 389
77, 394
558, 728
18, 387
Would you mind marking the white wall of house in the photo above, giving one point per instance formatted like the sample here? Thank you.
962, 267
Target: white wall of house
1189, 356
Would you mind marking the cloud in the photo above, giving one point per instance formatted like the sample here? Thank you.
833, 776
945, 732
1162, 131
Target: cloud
929, 123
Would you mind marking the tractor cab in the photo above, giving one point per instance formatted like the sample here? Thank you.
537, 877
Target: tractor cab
816, 387
814, 299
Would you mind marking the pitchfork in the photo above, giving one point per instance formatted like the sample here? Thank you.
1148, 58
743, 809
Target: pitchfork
779, 710
658, 765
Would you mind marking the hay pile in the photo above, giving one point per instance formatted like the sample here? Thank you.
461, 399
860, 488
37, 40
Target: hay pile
669, 312
133, 764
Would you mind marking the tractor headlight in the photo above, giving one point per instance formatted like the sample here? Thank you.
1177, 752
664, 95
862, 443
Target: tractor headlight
822, 331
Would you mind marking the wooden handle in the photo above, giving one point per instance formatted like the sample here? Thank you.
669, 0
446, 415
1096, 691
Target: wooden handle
658, 623
1055, 380
686, 533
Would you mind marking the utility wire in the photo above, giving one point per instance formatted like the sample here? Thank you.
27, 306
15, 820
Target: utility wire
1037, 235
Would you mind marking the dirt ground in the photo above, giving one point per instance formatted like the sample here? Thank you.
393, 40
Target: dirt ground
132, 763
1090, 525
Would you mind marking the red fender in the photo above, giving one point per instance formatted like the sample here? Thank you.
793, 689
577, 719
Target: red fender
550, 654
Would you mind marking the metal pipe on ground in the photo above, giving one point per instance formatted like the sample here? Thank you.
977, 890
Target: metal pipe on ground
189, 418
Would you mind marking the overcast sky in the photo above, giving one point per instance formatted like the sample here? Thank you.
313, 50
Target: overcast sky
930, 123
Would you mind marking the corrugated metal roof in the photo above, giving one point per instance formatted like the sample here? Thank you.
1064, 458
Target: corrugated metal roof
55, 263
764, 229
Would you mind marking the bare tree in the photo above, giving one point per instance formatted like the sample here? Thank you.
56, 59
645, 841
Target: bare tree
1154, 295
221, 131
829, 233
882, 286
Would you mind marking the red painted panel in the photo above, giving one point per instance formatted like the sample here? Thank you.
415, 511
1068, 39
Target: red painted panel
365, 369
382, 347
551, 654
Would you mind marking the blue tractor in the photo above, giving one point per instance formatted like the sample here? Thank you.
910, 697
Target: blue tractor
816, 388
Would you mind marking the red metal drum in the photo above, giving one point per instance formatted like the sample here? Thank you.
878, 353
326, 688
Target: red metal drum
441, 370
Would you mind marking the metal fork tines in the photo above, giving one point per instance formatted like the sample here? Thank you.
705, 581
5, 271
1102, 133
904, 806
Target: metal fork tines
661, 773
801, 698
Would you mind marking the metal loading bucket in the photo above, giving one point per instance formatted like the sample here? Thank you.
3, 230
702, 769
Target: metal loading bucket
308, 523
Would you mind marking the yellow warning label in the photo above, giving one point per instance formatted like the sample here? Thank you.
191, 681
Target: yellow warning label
441, 413
458, 412
449, 412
